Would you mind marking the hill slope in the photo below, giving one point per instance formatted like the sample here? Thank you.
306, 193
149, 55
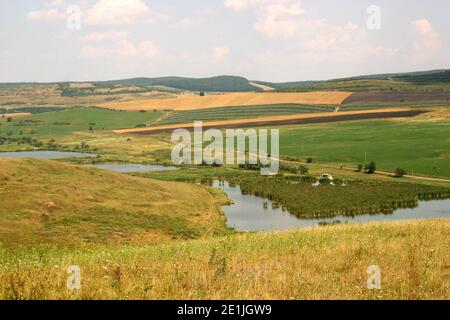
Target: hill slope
66, 204
434, 80
213, 84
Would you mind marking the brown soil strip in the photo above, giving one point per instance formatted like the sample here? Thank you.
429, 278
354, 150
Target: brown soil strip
285, 120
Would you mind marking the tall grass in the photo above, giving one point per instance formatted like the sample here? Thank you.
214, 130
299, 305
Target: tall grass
320, 263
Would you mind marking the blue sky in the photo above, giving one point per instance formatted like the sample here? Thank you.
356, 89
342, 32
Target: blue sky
272, 40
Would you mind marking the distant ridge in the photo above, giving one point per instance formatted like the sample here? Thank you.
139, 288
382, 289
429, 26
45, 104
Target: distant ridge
213, 84
402, 80
226, 83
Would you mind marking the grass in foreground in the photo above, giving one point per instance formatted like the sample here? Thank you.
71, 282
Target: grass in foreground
320, 263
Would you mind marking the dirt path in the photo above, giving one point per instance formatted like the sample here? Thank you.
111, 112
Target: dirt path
164, 116
384, 173
261, 86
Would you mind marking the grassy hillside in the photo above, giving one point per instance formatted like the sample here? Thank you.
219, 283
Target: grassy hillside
65, 204
435, 80
213, 84
321, 263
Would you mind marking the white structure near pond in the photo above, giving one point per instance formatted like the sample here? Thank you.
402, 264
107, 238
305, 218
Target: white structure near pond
326, 177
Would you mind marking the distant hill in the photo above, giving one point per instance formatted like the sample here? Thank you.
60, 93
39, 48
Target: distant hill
430, 75
434, 80
213, 84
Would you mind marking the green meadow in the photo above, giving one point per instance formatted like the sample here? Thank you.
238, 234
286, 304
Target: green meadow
65, 122
417, 147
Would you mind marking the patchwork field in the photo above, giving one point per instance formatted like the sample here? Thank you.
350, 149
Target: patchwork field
282, 120
231, 99
241, 112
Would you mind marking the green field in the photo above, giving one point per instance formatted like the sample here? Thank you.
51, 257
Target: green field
65, 122
419, 147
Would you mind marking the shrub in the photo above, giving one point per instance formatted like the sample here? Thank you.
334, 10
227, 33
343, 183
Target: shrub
370, 168
359, 168
399, 172
309, 160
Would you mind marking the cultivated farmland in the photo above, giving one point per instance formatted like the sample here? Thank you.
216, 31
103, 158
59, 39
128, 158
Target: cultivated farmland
242, 112
283, 120
395, 97
231, 99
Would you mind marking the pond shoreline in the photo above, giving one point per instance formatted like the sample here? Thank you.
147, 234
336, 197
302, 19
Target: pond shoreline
249, 213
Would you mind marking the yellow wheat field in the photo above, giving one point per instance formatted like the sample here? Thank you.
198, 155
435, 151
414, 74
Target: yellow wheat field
230, 100
15, 115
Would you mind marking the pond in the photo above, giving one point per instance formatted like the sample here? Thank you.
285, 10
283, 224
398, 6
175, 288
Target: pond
252, 213
46, 155
130, 168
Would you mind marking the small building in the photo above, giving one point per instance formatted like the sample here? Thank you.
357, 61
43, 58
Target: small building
326, 177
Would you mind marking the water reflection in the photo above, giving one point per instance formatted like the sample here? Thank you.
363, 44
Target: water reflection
252, 213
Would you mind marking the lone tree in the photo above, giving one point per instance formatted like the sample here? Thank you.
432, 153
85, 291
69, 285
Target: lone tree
399, 172
304, 169
202, 94
371, 168
359, 168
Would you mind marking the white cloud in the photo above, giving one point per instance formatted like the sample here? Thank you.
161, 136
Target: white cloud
186, 23
219, 54
274, 17
51, 14
428, 41
105, 36
102, 13
238, 5
55, 3
53, 11
122, 12
314, 38
124, 49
